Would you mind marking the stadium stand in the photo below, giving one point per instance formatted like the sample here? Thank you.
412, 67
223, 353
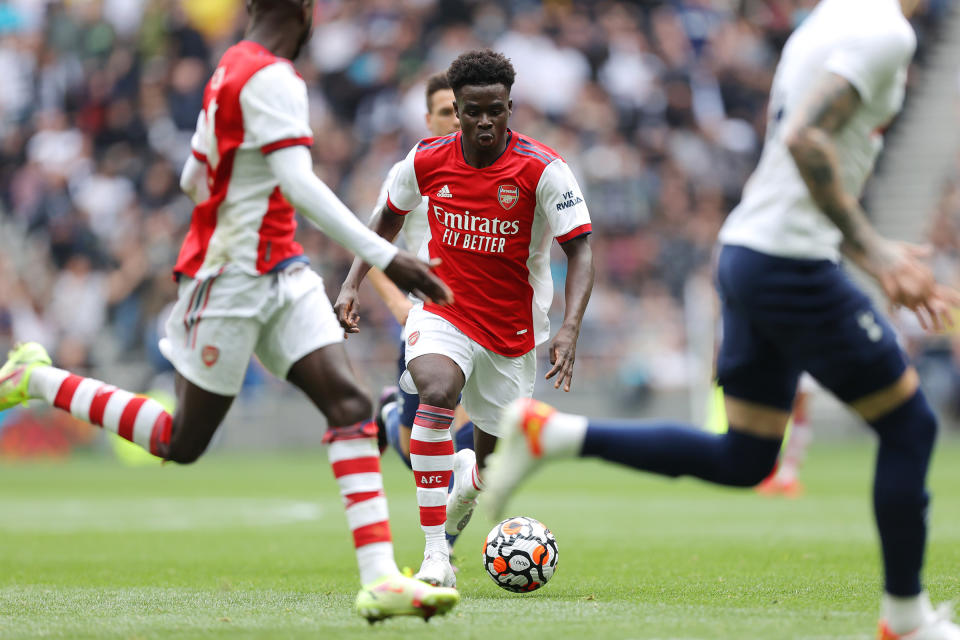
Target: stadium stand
658, 107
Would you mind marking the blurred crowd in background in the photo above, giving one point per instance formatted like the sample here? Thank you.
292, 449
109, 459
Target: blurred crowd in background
659, 108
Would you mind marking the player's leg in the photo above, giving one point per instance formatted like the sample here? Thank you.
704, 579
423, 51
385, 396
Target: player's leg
303, 343
210, 355
439, 380
326, 377
395, 413
462, 429
398, 423
785, 478
28, 374
870, 374
496, 382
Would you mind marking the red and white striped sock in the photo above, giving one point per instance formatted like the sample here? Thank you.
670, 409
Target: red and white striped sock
431, 456
356, 466
134, 418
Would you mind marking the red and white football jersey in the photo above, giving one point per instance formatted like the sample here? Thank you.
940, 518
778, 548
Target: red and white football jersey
253, 104
491, 228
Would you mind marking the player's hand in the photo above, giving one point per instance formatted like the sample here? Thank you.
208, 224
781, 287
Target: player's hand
563, 352
347, 308
908, 282
414, 275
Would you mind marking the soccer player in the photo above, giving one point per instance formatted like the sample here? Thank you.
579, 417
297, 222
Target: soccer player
788, 307
398, 408
245, 289
496, 199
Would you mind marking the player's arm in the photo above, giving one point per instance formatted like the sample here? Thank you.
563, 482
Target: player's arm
397, 302
580, 274
293, 168
403, 195
560, 199
385, 224
193, 180
810, 135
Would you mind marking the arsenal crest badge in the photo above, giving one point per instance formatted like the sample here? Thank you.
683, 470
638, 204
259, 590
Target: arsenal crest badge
209, 355
508, 194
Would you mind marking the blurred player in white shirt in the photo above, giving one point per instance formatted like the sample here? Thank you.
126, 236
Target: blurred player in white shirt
788, 307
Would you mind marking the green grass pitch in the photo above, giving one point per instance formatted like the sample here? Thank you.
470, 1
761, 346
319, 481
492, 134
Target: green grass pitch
257, 547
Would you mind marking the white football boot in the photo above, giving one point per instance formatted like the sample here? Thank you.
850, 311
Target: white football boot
518, 454
437, 570
463, 497
938, 626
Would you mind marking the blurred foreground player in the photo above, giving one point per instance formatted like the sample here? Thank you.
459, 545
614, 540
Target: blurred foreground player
788, 307
245, 289
496, 200
398, 408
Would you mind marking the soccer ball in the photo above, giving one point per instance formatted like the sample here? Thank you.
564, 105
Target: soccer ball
520, 554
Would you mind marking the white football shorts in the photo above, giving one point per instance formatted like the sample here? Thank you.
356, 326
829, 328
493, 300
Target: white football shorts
493, 381
218, 322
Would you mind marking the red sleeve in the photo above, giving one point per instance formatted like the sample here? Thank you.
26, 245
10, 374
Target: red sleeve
283, 144
582, 230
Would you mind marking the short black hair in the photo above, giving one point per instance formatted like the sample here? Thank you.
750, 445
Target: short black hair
436, 82
480, 67
263, 6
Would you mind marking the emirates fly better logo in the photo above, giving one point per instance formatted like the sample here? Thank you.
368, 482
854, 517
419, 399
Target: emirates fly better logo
507, 195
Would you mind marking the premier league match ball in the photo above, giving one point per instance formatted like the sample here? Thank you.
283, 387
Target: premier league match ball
520, 554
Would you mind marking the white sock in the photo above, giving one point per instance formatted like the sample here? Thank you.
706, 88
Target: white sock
563, 435
904, 615
473, 488
45, 381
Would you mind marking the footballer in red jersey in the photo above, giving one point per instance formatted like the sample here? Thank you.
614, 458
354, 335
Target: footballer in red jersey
245, 289
497, 198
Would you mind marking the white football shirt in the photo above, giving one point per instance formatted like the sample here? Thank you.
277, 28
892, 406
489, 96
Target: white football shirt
413, 233
869, 43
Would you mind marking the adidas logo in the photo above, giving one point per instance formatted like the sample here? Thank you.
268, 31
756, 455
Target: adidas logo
444, 192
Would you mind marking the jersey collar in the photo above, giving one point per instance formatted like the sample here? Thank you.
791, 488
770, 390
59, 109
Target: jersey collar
511, 142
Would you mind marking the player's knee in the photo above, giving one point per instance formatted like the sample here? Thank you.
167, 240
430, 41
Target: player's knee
439, 393
750, 475
911, 427
748, 459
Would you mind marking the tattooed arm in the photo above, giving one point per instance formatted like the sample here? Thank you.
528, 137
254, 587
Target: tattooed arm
897, 266
809, 135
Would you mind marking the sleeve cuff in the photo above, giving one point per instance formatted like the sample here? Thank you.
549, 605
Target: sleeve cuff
288, 142
582, 230
397, 210
380, 255
199, 156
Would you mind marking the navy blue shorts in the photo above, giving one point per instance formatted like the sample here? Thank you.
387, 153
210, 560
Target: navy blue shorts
408, 403
783, 316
